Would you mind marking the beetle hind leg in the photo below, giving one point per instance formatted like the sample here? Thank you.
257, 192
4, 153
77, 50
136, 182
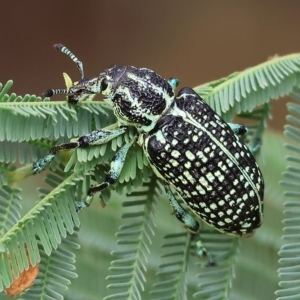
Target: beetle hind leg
238, 129
255, 146
191, 223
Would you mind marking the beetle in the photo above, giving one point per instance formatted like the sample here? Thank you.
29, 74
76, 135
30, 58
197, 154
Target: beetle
188, 145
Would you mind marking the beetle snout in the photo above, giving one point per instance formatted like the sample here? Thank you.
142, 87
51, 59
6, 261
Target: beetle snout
78, 93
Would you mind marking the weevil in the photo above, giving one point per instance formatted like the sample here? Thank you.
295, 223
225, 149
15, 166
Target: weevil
188, 145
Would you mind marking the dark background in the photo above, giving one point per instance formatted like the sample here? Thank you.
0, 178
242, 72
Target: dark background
196, 41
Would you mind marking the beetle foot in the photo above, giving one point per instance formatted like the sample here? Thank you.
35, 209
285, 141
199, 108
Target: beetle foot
41, 164
79, 206
256, 145
202, 252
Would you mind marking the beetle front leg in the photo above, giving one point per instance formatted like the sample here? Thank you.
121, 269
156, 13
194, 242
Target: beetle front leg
173, 82
97, 137
116, 166
191, 223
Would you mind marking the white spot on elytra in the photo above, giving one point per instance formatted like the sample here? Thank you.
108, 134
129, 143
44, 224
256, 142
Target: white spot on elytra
200, 189
195, 138
188, 165
207, 150
232, 192
174, 142
175, 153
201, 156
245, 197
229, 212
213, 206
210, 177
174, 162
189, 177
190, 156
203, 181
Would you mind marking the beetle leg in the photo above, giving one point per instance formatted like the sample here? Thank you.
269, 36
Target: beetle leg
190, 222
255, 146
173, 82
116, 166
181, 214
238, 129
97, 137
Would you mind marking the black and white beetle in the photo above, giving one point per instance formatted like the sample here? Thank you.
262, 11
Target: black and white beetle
187, 144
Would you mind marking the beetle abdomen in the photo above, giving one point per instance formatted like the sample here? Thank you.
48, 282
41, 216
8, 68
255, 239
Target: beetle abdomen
207, 164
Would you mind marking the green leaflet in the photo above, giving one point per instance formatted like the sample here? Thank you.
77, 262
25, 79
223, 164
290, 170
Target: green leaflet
134, 236
43, 226
289, 252
243, 91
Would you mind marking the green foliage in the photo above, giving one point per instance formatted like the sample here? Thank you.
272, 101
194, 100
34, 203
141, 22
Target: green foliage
46, 229
289, 252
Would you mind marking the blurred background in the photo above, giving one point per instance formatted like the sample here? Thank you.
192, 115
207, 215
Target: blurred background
195, 41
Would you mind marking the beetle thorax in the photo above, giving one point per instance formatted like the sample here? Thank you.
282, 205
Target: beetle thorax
140, 97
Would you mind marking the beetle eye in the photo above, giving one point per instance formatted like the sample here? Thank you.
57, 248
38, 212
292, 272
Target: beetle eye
104, 84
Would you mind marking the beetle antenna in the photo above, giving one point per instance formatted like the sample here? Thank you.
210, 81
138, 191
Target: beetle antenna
51, 92
66, 51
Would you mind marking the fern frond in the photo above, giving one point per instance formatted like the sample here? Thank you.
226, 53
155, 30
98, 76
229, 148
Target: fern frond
130, 265
47, 119
173, 270
243, 91
216, 282
48, 221
55, 271
10, 206
24, 152
289, 274
5, 170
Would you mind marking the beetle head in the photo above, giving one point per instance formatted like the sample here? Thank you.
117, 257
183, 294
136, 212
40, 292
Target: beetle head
105, 83
139, 97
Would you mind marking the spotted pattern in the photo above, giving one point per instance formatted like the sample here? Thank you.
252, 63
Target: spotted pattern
211, 169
